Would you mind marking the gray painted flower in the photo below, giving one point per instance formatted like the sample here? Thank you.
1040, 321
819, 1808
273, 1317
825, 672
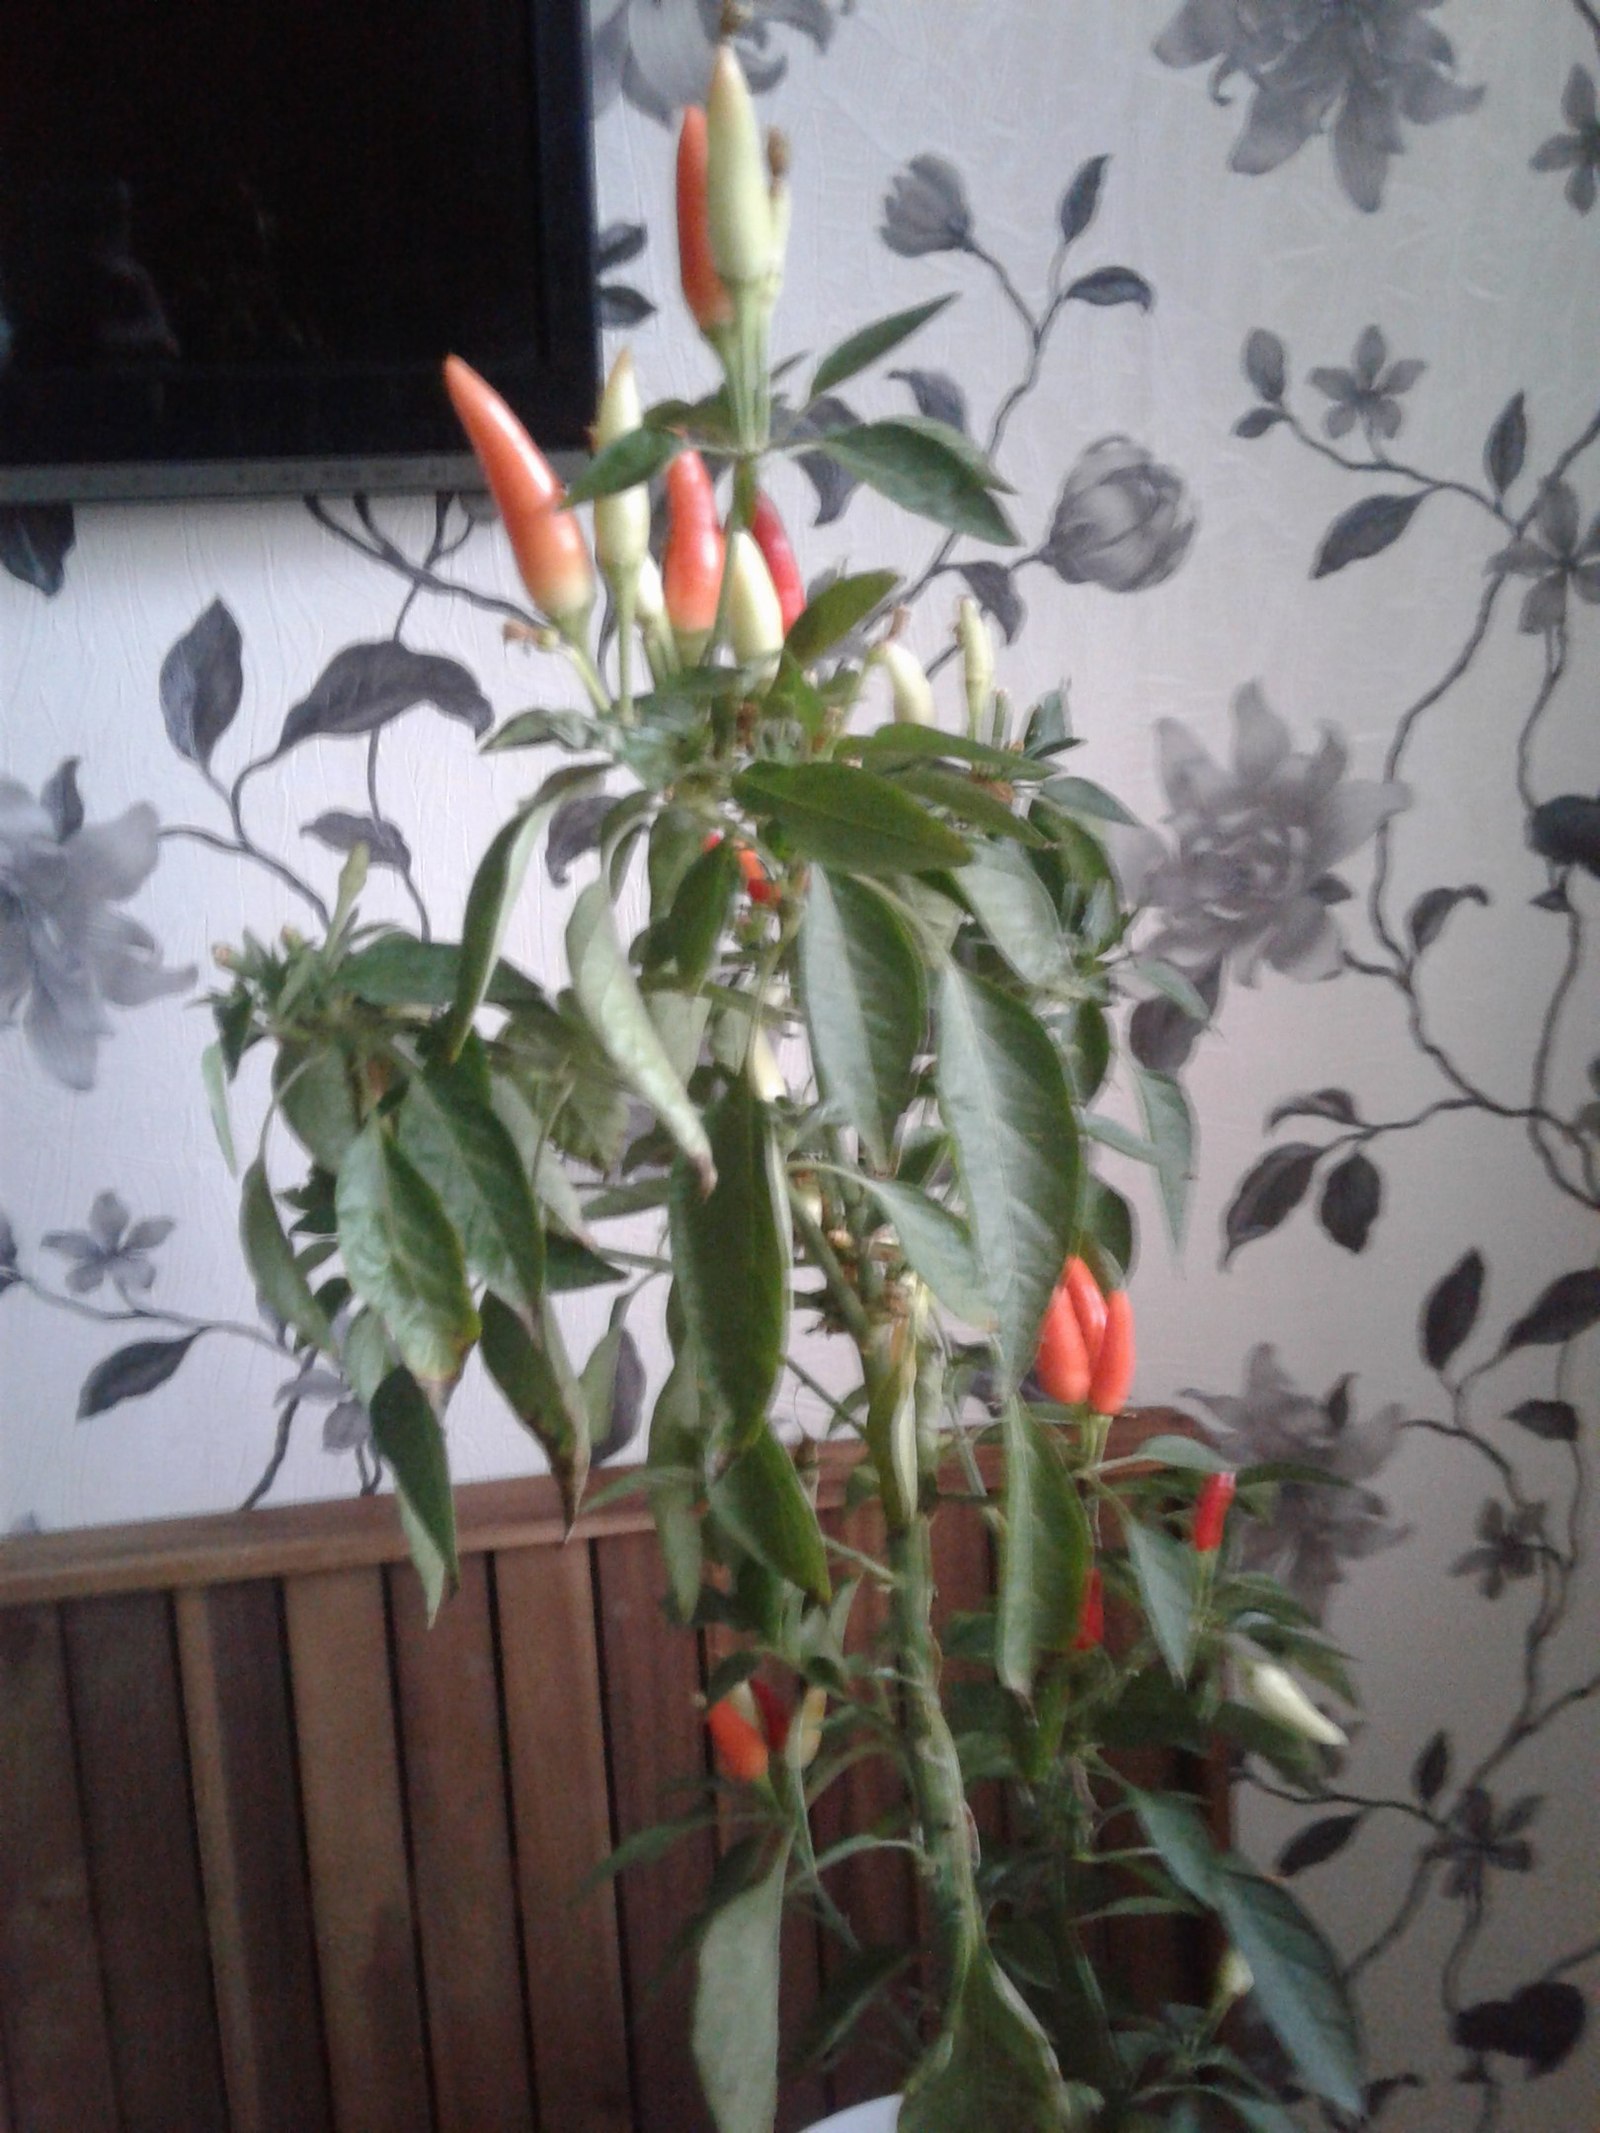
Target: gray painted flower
925, 209
65, 955
1314, 1531
1577, 152
1122, 520
1368, 392
1250, 880
113, 1248
1482, 1840
1353, 69
346, 1425
658, 53
1554, 557
1508, 1549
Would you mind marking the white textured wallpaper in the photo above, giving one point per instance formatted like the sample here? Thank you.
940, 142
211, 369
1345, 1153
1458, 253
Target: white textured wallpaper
1340, 654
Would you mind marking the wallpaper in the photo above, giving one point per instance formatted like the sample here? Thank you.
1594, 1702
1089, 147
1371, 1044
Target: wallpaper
1283, 317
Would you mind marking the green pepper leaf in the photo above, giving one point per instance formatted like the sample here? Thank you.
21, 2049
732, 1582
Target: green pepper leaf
1004, 1099
898, 741
408, 1437
403, 1257
536, 1380
1045, 1551
614, 1009
938, 1246
214, 1075
849, 818
736, 2005
279, 1278
1165, 1569
762, 1502
731, 1251
449, 1130
925, 467
866, 1007
636, 457
312, 1087
868, 343
1013, 907
835, 612
675, 1458
1169, 1123
992, 2067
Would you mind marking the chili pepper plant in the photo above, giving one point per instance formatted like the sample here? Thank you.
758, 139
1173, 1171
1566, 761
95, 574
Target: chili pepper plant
834, 1092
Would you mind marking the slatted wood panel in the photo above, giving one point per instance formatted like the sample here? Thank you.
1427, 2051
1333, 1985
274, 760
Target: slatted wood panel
277, 1858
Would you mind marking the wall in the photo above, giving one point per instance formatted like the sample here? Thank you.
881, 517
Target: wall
1302, 425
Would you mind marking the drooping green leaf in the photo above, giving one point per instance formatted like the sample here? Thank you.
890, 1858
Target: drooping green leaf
214, 1074
865, 1003
1186, 1452
924, 467
313, 1090
868, 343
736, 2005
450, 1131
398, 970
571, 1265
1297, 1982
850, 819
938, 1246
899, 741
966, 799
1045, 1551
493, 895
1012, 905
731, 1250
762, 1502
675, 1459
835, 612
1004, 1099
1166, 1574
408, 1437
403, 1258
692, 929
992, 2067
535, 1378
279, 1278
614, 1008
1169, 1123
1183, 1841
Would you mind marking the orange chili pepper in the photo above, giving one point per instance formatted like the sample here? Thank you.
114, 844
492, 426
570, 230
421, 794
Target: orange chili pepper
741, 1749
773, 542
692, 567
1061, 1362
1112, 1378
551, 553
710, 305
1092, 1616
1088, 1302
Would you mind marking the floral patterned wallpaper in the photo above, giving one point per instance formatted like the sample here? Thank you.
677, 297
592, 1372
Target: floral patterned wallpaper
1284, 318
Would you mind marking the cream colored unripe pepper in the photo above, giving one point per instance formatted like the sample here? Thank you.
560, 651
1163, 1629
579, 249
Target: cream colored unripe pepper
913, 692
621, 521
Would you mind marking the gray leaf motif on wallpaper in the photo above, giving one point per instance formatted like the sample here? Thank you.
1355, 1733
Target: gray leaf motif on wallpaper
65, 954
1249, 880
1352, 69
656, 54
1577, 151
35, 540
113, 1248
1313, 1531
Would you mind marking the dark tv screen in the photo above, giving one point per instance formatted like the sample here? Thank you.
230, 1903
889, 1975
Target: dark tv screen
238, 236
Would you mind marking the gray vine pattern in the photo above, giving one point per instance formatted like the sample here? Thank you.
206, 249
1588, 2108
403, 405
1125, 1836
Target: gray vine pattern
1275, 867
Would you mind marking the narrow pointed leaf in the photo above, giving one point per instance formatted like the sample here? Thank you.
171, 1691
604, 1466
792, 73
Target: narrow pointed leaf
865, 1002
614, 1009
534, 1376
1165, 1570
731, 1250
762, 1501
850, 819
214, 1075
407, 1434
836, 611
1004, 1099
1044, 1553
1297, 1983
870, 342
450, 1132
736, 2005
938, 1246
279, 1280
403, 1257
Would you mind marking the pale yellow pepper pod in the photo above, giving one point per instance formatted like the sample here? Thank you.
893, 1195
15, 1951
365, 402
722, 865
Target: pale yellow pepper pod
621, 521
912, 690
977, 661
738, 204
755, 613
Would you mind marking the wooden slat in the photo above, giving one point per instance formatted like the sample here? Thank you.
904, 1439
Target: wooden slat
875, 1890
461, 1855
128, 1717
355, 1840
57, 2048
555, 1736
297, 1539
652, 1677
252, 1859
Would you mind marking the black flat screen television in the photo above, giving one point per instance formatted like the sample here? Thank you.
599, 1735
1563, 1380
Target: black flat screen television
237, 237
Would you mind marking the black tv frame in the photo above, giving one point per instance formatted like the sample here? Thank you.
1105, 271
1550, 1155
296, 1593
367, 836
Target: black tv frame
556, 399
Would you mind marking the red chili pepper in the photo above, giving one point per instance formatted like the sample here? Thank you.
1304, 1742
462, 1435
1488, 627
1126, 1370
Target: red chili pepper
1062, 1361
1211, 1512
1092, 1616
757, 881
1114, 1365
774, 1714
692, 567
773, 542
710, 305
1088, 1302
741, 1751
552, 554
